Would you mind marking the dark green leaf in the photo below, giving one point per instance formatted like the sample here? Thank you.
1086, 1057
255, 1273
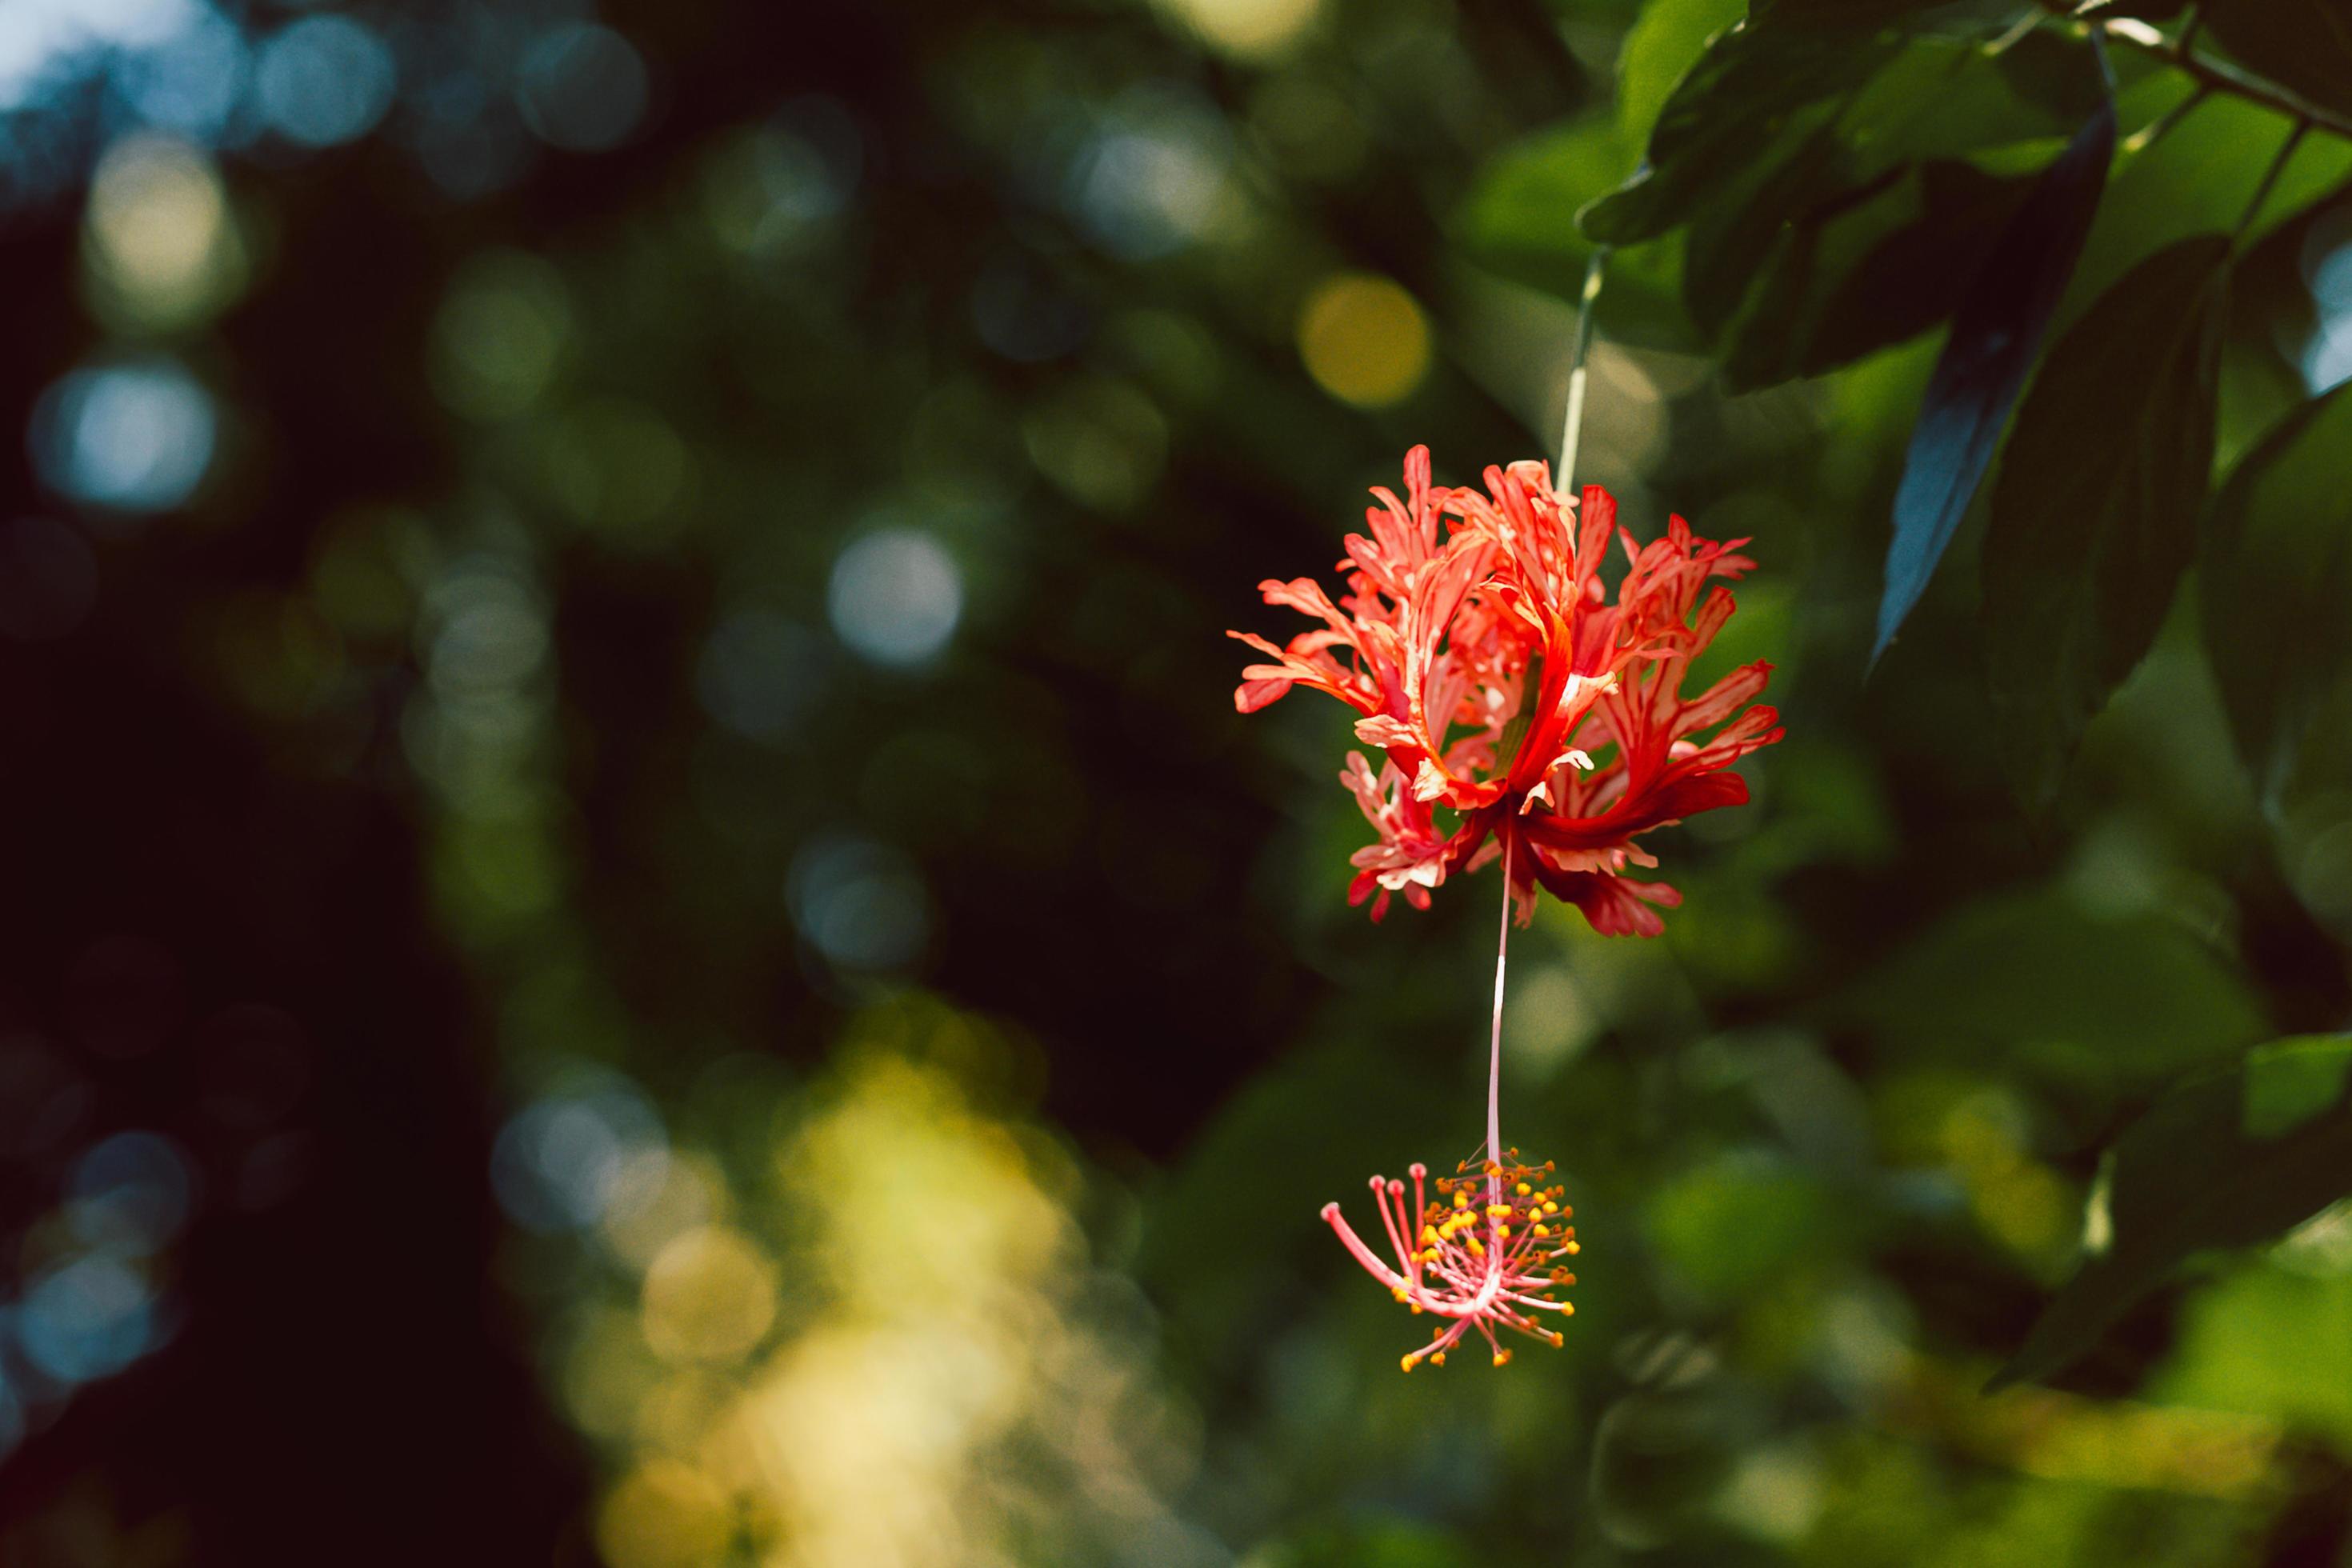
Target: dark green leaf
1747, 106
2094, 515
1860, 14
1943, 97
2196, 178
1996, 332
1930, 98
2229, 1160
2090, 1008
1835, 13
1726, 238
2303, 45
1849, 282
2277, 580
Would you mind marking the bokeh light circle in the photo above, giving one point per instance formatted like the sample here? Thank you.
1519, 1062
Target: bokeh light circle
896, 596
582, 88
134, 436
861, 904
710, 1295
324, 81
86, 1320
131, 1194
557, 1162
1364, 340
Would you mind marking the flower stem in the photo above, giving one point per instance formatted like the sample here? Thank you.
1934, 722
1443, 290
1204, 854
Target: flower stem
1494, 1049
1572, 427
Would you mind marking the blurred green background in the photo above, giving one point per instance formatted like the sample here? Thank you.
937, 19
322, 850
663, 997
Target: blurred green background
640, 929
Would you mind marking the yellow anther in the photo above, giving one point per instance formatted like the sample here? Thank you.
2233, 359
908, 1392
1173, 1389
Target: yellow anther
1462, 1200
1543, 1230
1567, 1308
1550, 1207
1502, 1356
1557, 1339
1498, 1211
1406, 1363
1437, 1358
1572, 1249
1502, 1233
1523, 1189
1398, 1292
1429, 1233
1476, 1247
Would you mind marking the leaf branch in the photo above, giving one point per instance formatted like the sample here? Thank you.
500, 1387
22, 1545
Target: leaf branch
2219, 76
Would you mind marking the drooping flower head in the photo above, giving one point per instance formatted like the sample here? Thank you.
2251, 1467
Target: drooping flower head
1484, 1254
1488, 664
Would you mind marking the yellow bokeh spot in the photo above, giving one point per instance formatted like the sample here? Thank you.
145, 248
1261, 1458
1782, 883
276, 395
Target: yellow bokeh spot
158, 236
710, 1295
1364, 340
665, 1515
1252, 29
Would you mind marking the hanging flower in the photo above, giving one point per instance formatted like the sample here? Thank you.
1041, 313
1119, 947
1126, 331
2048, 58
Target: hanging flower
1486, 660
1485, 1253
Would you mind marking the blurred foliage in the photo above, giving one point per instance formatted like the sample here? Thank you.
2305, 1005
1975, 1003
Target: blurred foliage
615, 680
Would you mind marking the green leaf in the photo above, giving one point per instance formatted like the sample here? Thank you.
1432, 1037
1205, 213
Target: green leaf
1665, 41
2196, 179
1998, 327
1945, 98
1848, 281
1738, 159
1835, 14
2276, 575
2228, 1160
1725, 238
2094, 514
2302, 44
2093, 1009
1856, 14
2245, 1344
1747, 106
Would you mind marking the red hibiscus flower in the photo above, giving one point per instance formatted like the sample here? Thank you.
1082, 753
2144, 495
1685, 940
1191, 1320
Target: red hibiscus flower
1486, 657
